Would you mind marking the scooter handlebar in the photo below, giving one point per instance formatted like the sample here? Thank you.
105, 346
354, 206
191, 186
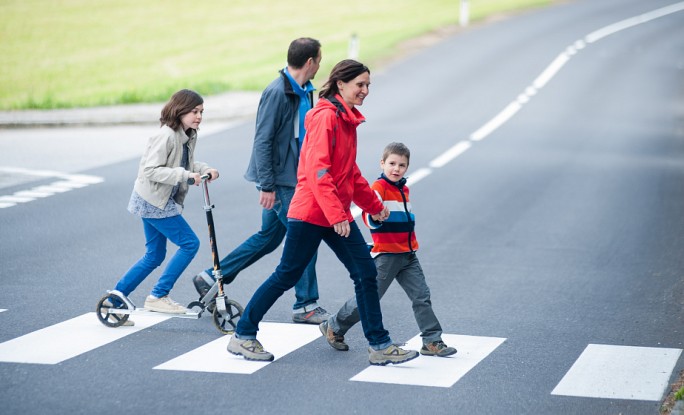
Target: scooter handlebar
203, 177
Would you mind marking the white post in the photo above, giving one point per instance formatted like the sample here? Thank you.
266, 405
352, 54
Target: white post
464, 14
354, 47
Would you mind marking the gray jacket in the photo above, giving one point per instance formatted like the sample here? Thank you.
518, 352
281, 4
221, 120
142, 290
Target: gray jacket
160, 167
275, 153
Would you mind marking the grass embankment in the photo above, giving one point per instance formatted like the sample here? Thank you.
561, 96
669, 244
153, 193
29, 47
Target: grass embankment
80, 53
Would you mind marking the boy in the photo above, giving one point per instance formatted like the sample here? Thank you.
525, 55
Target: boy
394, 250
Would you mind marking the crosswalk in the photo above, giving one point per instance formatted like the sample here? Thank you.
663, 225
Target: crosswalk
601, 371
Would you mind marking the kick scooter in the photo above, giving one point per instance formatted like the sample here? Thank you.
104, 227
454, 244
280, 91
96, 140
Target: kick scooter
114, 308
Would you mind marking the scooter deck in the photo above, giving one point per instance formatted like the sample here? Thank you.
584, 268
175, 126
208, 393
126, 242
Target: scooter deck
191, 315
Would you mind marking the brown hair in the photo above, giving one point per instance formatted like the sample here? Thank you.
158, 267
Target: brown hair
344, 71
181, 103
396, 148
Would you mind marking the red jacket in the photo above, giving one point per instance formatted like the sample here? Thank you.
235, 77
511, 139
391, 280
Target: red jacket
328, 179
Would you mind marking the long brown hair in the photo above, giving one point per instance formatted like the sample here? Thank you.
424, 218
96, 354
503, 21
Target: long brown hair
344, 71
181, 103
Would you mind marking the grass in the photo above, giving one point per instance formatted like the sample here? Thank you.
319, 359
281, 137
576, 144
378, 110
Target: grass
80, 53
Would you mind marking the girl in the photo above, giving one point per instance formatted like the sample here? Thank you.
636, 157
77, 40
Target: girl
158, 195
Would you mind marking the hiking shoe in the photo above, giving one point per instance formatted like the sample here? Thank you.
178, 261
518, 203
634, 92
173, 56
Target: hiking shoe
249, 349
164, 305
438, 349
392, 354
336, 341
114, 318
201, 284
316, 316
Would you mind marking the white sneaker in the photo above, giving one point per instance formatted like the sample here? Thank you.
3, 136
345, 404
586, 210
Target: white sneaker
164, 305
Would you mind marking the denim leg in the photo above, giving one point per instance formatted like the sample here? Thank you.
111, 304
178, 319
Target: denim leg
301, 243
353, 252
155, 244
412, 280
255, 247
348, 314
177, 230
306, 289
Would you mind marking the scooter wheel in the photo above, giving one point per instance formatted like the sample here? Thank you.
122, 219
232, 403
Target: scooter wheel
106, 310
227, 323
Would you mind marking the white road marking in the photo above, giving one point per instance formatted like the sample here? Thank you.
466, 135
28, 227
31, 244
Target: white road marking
455, 151
434, 371
2, 309
70, 338
277, 338
619, 372
67, 182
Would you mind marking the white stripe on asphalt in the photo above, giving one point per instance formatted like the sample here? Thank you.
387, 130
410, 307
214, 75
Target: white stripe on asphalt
619, 372
277, 338
68, 339
434, 371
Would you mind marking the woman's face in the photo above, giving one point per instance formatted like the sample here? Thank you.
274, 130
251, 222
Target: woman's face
193, 118
355, 91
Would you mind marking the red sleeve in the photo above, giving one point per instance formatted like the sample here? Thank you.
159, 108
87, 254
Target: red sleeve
364, 196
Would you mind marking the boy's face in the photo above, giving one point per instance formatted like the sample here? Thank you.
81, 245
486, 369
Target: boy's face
394, 167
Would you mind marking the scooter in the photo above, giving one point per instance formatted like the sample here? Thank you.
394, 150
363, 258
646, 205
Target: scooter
114, 308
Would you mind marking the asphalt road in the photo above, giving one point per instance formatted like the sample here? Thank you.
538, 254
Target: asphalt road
555, 225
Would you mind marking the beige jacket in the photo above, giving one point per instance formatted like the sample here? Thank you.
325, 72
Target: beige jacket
160, 167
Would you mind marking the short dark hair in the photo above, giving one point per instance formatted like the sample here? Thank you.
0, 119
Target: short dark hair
301, 50
396, 148
344, 71
181, 103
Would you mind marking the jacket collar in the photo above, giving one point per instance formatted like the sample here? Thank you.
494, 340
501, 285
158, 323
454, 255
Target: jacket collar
399, 184
352, 115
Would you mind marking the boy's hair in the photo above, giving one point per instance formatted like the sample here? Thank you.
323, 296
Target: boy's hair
301, 50
181, 103
396, 148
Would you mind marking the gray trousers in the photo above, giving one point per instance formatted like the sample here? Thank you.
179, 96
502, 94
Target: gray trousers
406, 269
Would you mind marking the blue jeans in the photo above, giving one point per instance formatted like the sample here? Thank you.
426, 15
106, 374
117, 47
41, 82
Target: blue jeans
301, 243
272, 233
157, 231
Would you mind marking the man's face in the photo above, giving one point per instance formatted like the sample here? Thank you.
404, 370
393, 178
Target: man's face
315, 64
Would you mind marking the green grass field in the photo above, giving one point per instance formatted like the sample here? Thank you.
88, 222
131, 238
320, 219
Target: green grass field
82, 53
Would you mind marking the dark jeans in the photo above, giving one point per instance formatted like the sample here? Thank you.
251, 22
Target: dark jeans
301, 243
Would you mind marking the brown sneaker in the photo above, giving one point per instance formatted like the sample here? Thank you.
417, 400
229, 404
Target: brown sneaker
438, 349
392, 354
336, 341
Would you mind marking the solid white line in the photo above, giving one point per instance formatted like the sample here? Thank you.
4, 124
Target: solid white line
550, 71
434, 371
69, 339
496, 122
455, 151
633, 21
619, 372
417, 176
278, 338
2, 309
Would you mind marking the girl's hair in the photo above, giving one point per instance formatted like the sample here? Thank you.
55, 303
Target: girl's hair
396, 148
344, 71
181, 103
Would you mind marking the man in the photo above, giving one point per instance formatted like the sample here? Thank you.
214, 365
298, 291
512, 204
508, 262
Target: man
273, 167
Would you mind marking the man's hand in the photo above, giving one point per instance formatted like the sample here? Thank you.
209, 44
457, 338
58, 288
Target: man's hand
267, 199
343, 229
379, 217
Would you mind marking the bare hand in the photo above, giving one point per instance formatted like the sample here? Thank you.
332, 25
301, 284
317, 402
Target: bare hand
343, 229
196, 177
267, 199
214, 174
379, 217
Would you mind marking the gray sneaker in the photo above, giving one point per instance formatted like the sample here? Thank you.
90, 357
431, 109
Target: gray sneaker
315, 316
249, 349
336, 341
438, 349
392, 354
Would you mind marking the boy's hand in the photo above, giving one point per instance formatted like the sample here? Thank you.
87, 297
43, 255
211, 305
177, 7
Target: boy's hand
379, 217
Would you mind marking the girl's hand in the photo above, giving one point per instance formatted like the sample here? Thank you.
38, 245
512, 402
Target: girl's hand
343, 229
196, 177
214, 174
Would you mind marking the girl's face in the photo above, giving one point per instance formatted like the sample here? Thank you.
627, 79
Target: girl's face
193, 118
355, 91
394, 167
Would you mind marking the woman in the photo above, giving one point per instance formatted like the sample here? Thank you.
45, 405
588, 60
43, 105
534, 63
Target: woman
328, 181
158, 195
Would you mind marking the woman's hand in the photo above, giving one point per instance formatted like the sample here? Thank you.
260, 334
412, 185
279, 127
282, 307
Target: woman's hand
343, 229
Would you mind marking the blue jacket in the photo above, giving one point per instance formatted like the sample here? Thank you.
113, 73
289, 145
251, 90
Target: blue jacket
275, 153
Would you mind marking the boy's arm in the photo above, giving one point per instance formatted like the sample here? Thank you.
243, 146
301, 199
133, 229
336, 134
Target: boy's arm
367, 217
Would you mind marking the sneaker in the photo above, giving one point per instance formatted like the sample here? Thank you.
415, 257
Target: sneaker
114, 318
164, 305
201, 284
316, 316
334, 340
392, 354
249, 349
438, 349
